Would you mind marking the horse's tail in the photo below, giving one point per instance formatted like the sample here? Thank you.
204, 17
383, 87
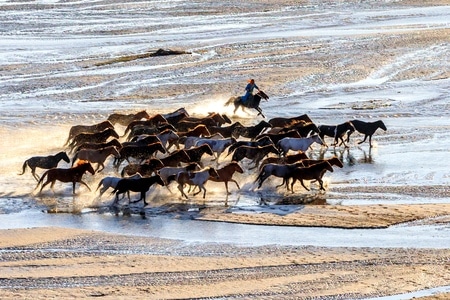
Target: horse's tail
24, 166
100, 184
230, 101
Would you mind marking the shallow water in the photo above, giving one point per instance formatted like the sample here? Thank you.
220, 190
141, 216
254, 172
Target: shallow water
50, 81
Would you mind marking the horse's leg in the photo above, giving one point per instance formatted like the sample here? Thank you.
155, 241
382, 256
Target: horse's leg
226, 187
100, 164
370, 141
47, 182
321, 184
83, 183
232, 180
260, 112
199, 190
303, 184
180, 188
365, 137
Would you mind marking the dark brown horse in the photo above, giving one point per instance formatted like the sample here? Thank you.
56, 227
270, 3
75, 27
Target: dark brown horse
154, 120
252, 132
337, 132
77, 129
97, 137
199, 130
258, 142
256, 154
282, 122
367, 128
276, 137
304, 129
73, 175
125, 119
140, 185
113, 142
140, 152
196, 153
184, 125
252, 102
288, 159
226, 131
333, 161
226, 174
44, 162
313, 172
277, 170
175, 158
146, 169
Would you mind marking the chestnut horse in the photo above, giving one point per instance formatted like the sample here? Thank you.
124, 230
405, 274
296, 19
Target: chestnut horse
226, 174
73, 175
44, 162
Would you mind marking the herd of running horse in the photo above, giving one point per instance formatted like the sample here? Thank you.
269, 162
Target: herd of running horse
172, 147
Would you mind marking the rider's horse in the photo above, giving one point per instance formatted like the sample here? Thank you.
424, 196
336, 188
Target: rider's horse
252, 102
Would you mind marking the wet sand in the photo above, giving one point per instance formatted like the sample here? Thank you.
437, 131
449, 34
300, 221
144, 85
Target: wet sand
55, 263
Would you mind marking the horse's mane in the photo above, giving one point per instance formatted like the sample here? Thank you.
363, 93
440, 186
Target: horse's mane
80, 163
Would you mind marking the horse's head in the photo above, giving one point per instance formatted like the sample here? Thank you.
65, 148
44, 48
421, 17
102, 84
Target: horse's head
381, 125
316, 138
115, 143
237, 167
113, 133
207, 149
115, 152
64, 156
328, 167
142, 115
336, 161
227, 119
86, 166
349, 127
158, 180
155, 163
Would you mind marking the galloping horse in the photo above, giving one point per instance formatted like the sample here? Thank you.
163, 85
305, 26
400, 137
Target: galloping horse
166, 172
336, 132
277, 170
282, 122
139, 152
77, 129
44, 162
312, 172
152, 121
367, 128
217, 146
259, 142
296, 144
226, 174
111, 182
73, 175
97, 137
113, 142
142, 185
288, 159
97, 156
333, 161
124, 120
256, 154
146, 169
175, 158
251, 132
195, 178
252, 102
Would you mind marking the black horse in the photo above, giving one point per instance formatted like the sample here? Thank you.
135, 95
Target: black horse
44, 162
367, 128
252, 102
337, 132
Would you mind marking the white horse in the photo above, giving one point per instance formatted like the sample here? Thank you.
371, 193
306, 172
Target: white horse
190, 141
217, 146
165, 172
297, 144
196, 179
111, 182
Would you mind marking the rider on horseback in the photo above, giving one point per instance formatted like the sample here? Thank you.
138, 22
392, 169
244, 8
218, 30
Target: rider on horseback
248, 97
